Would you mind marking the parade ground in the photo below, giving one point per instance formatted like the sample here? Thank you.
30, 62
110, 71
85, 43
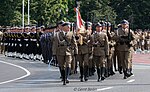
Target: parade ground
34, 76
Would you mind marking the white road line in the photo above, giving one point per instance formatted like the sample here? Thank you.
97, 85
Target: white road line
132, 80
27, 73
102, 89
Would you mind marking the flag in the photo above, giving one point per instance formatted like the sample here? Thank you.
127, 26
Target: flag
79, 25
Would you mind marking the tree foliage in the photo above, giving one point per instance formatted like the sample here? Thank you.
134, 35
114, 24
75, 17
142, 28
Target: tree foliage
136, 11
48, 12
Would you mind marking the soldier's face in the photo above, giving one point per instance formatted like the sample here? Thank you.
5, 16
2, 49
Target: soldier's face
60, 27
89, 27
125, 25
66, 28
98, 28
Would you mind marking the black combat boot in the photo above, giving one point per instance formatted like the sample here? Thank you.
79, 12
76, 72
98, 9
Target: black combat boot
81, 74
106, 72
98, 74
131, 71
126, 75
67, 74
120, 70
86, 73
90, 71
60, 72
63, 77
102, 73
93, 70
111, 71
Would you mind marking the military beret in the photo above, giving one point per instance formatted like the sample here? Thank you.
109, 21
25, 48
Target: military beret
89, 24
98, 24
66, 24
60, 23
109, 24
124, 22
43, 26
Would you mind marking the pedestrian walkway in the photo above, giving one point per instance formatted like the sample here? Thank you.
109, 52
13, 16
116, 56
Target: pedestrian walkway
141, 58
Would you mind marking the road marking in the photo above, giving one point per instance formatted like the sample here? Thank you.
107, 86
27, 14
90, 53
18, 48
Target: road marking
27, 73
132, 80
102, 89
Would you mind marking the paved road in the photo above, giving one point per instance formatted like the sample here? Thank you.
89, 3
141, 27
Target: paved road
34, 76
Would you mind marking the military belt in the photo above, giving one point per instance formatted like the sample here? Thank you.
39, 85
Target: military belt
81, 45
123, 43
98, 45
64, 45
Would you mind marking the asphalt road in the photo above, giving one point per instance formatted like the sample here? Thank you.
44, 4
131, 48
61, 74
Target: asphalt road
33, 76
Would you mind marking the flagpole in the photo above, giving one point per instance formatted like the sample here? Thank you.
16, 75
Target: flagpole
23, 14
28, 12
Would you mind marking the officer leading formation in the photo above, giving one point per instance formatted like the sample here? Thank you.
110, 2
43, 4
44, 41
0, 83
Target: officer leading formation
98, 48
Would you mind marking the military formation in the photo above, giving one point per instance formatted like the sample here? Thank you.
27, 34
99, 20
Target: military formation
97, 49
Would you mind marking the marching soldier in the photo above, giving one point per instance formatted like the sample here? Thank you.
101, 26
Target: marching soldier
100, 51
125, 38
46, 45
39, 49
147, 39
1, 43
55, 33
117, 54
83, 39
90, 50
142, 41
65, 43
112, 43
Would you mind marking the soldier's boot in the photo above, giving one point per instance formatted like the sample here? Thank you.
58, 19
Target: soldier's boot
130, 71
90, 71
86, 68
60, 73
34, 58
120, 70
63, 77
106, 71
98, 74
126, 75
111, 71
81, 74
75, 70
93, 70
67, 74
102, 73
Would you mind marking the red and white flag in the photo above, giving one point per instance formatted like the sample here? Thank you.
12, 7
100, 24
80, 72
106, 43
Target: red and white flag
79, 24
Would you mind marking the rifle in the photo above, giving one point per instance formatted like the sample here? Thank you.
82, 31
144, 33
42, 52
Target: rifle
108, 34
129, 37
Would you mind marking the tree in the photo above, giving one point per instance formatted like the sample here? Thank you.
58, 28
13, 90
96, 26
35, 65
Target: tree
136, 11
97, 10
46, 12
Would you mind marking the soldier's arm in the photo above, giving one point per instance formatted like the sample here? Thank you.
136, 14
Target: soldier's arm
54, 45
74, 45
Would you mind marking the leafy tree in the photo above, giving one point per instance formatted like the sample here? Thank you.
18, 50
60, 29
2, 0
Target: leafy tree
136, 11
97, 10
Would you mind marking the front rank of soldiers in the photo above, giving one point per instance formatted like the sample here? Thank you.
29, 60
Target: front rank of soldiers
102, 50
